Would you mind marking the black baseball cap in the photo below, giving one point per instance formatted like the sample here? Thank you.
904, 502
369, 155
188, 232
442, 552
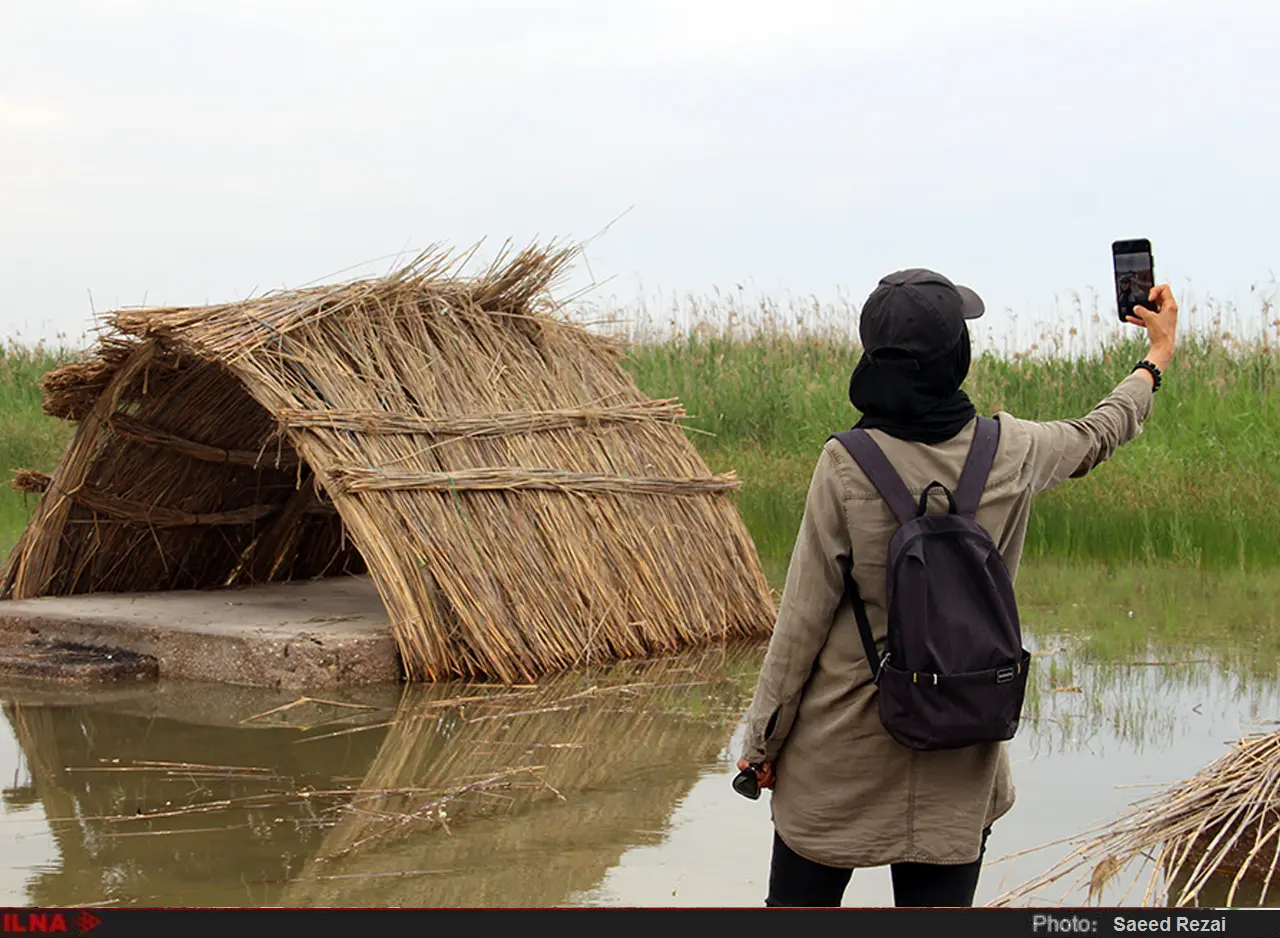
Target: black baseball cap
917, 314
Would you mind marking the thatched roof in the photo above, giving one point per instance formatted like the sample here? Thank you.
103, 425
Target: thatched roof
521, 506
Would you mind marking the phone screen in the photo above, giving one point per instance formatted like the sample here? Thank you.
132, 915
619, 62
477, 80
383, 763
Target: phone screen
1135, 276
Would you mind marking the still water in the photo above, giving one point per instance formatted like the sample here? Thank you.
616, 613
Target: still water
609, 787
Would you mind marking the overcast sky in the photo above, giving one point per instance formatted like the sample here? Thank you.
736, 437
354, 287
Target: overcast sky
191, 151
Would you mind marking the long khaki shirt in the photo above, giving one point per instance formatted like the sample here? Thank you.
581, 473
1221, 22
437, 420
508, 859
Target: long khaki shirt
846, 793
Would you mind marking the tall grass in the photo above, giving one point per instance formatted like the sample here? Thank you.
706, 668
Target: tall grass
28, 438
1201, 487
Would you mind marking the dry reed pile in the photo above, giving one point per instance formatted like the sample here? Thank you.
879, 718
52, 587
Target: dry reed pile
1225, 820
521, 506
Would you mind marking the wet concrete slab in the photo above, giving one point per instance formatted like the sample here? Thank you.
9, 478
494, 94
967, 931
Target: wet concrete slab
311, 634
69, 663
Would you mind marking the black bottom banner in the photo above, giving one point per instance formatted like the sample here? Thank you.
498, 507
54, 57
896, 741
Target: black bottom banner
113, 922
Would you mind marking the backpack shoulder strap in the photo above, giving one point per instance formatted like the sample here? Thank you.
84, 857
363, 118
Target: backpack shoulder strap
977, 466
874, 661
883, 476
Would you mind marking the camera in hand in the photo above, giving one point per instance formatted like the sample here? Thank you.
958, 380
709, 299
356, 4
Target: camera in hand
747, 782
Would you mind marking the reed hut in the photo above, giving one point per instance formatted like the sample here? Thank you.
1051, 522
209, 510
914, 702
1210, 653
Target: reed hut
521, 507
1216, 834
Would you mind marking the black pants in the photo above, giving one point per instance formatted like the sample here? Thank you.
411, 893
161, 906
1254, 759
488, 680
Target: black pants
795, 881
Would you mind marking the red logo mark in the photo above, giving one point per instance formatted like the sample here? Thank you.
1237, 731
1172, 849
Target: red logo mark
23, 923
87, 922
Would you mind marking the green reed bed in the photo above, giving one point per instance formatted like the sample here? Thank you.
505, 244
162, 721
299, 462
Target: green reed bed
1120, 609
1199, 488
28, 438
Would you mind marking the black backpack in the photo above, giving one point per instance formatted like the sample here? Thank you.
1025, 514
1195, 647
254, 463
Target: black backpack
954, 672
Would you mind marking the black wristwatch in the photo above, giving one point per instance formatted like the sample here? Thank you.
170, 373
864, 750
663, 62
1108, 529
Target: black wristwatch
1155, 373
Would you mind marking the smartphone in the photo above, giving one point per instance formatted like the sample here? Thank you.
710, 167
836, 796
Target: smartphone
1135, 269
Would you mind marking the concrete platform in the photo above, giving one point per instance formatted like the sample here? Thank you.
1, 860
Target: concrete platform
312, 634
61, 662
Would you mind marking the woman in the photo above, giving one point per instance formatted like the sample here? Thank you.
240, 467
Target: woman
846, 795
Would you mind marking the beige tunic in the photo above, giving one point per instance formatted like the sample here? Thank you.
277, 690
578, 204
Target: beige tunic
847, 794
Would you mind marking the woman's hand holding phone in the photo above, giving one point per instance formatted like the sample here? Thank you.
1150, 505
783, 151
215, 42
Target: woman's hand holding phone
1161, 323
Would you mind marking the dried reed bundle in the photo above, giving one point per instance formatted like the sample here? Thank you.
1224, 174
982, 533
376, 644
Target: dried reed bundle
480, 425
1224, 820
71, 390
345, 479
514, 285
132, 429
518, 502
30, 481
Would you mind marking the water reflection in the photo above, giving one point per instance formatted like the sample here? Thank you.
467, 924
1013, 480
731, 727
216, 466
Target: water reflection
1248, 893
154, 808
598, 787
1104, 734
546, 787
1077, 702
444, 795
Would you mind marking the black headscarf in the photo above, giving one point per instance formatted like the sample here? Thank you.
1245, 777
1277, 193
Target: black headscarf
921, 402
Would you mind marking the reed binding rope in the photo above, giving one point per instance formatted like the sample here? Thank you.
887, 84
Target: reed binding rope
348, 479
500, 423
126, 509
132, 429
